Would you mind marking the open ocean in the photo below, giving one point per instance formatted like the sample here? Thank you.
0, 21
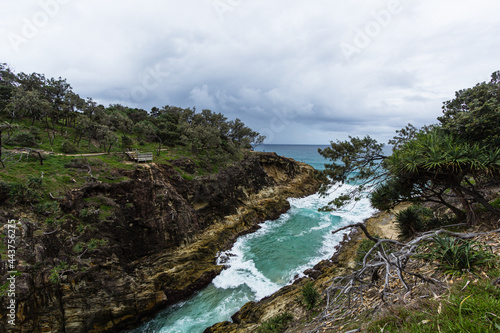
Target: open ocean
263, 262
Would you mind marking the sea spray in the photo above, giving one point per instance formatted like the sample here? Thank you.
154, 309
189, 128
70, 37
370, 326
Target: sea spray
260, 263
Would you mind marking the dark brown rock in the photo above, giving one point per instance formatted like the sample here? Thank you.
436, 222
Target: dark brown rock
160, 235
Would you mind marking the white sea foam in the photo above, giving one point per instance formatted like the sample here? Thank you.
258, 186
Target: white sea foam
352, 213
242, 271
302, 227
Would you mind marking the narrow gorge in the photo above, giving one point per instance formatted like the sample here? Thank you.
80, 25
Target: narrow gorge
159, 234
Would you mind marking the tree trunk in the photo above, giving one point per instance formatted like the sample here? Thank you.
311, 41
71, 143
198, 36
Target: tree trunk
458, 212
482, 201
471, 216
3, 165
111, 145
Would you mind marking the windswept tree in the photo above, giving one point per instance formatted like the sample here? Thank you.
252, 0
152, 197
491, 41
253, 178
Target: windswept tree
438, 163
445, 163
244, 136
355, 161
474, 114
25, 103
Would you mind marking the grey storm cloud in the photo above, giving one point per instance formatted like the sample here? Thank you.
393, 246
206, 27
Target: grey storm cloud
296, 71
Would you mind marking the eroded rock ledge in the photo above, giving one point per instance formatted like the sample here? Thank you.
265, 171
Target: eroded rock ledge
253, 314
161, 233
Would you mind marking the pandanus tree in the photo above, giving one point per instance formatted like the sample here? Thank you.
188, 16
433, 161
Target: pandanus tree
449, 163
436, 164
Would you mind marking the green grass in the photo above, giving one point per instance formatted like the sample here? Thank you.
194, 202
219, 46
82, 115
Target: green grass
457, 256
206, 161
277, 324
363, 248
495, 203
471, 306
310, 297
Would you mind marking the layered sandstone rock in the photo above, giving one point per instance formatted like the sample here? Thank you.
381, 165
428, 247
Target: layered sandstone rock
160, 236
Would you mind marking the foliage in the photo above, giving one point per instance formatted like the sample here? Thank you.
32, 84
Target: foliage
89, 246
363, 248
437, 161
474, 113
47, 208
457, 256
56, 271
470, 306
356, 162
20, 193
57, 116
445, 156
68, 147
5, 191
413, 220
446, 164
89, 212
310, 297
276, 324
24, 138
35, 182
127, 143
78, 163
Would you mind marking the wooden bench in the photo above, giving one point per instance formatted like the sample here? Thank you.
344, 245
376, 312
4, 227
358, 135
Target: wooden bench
144, 157
140, 157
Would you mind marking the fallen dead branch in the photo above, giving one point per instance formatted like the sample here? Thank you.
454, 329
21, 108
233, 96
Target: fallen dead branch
384, 276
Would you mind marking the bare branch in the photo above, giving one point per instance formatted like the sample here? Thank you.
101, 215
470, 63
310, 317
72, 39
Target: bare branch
360, 225
381, 264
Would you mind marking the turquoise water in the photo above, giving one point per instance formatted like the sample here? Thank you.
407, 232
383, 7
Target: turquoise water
263, 262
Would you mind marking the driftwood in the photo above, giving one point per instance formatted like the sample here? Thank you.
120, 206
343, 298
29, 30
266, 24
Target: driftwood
384, 266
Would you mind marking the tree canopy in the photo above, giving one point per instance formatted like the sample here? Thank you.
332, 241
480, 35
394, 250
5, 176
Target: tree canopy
448, 163
52, 106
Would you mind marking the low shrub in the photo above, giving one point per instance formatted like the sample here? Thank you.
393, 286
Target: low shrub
47, 208
20, 193
310, 296
35, 182
412, 220
277, 324
68, 147
363, 248
470, 306
25, 139
458, 256
5, 191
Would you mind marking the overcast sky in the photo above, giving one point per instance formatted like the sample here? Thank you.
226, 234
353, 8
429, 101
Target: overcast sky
296, 71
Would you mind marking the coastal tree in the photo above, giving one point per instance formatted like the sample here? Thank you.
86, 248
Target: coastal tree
444, 163
355, 161
244, 136
474, 114
25, 103
431, 167
435, 164
7, 84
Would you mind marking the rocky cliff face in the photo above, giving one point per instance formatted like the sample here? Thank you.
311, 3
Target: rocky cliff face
128, 249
